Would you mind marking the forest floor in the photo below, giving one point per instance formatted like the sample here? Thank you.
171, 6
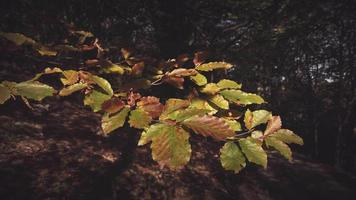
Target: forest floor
55, 152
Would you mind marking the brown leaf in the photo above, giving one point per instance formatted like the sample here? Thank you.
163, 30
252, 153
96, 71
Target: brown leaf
175, 81
183, 72
200, 57
137, 69
181, 59
91, 62
151, 105
112, 105
132, 98
126, 52
212, 126
274, 124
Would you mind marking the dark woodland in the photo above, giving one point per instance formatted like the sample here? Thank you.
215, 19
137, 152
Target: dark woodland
299, 55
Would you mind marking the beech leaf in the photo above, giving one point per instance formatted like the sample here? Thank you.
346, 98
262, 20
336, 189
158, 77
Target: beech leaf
212, 126
199, 79
228, 84
110, 123
273, 125
219, 101
173, 105
213, 65
5, 94
139, 118
231, 157
280, 146
95, 99
210, 88
151, 105
255, 118
34, 90
287, 136
72, 88
253, 151
241, 97
104, 84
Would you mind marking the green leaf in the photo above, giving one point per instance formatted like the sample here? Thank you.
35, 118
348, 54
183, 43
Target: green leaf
183, 114
287, 136
114, 68
231, 157
173, 105
241, 97
95, 99
255, 118
45, 51
219, 101
234, 125
212, 126
202, 104
228, 84
213, 65
5, 94
109, 124
104, 84
34, 90
18, 39
170, 145
280, 146
139, 119
210, 88
72, 88
253, 151
199, 79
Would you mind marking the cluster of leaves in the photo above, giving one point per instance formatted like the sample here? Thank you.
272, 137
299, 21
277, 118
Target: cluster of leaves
217, 110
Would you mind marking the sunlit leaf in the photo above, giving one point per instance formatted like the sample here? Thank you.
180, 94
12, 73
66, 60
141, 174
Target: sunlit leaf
212, 126
181, 72
151, 105
95, 99
253, 151
139, 118
170, 145
210, 88
34, 90
202, 104
137, 69
183, 114
110, 123
213, 65
255, 118
173, 105
241, 97
273, 125
72, 88
234, 125
112, 105
199, 79
228, 84
280, 146
46, 51
70, 77
219, 101
287, 136
5, 94
231, 157
104, 84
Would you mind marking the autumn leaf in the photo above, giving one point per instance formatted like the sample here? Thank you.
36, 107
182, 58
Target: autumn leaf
170, 145
231, 157
151, 105
228, 84
34, 90
241, 97
5, 94
173, 105
253, 151
213, 65
287, 136
212, 126
139, 118
72, 88
95, 99
219, 101
273, 125
210, 88
280, 146
112, 105
199, 79
110, 123
255, 118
